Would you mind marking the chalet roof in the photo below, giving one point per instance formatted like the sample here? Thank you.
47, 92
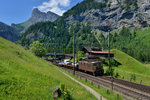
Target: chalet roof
88, 49
99, 52
95, 50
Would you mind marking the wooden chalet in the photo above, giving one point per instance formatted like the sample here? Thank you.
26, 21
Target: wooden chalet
97, 52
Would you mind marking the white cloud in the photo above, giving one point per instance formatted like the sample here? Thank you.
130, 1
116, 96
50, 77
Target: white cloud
54, 6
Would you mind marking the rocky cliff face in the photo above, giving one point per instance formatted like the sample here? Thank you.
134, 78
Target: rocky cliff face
120, 13
37, 16
8, 32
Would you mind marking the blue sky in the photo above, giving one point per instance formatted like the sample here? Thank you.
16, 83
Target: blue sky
18, 11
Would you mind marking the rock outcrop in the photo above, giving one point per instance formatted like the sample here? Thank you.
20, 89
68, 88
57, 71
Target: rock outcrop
119, 14
37, 16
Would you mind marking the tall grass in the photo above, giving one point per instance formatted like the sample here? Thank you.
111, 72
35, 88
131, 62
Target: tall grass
25, 76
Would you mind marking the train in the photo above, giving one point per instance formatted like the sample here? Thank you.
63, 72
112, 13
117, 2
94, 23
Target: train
93, 66
88, 64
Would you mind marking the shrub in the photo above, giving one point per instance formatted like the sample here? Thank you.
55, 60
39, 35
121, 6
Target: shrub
114, 62
110, 72
65, 92
80, 54
116, 75
133, 77
37, 48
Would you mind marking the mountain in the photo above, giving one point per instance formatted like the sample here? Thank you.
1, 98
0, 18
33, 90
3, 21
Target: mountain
112, 15
8, 32
37, 16
104, 15
127, 20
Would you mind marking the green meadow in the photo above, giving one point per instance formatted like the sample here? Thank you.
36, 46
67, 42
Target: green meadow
130, 66
25, 76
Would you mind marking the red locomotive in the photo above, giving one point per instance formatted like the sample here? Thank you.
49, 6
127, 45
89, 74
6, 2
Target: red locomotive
91, 65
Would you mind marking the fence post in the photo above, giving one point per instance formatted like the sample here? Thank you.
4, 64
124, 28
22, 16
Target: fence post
98, 86
141, 82
117, 96
100, 97
85, 80
91, 83
107, 91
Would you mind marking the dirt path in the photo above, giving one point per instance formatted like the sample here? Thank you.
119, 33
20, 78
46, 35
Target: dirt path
97, 95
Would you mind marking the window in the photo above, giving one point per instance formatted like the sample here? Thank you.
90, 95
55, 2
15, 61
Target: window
89, 65
95, 64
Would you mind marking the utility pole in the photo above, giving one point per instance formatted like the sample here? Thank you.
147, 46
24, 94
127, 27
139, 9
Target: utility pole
77, 49
92, 41
108, 24
112, 80
55, 51
73, 52
109, 48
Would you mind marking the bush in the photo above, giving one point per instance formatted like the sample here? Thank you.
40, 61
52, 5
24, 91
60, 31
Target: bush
116, 75
37, 48
80, 55
65, 92
114, 62
110, 72
133, 77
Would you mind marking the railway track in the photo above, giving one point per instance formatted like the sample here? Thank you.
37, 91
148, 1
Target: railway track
127, 89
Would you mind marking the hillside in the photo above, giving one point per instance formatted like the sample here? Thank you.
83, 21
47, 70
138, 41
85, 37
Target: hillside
91, 18
130, 66
8, 32
132, 41
58, 35
24, 76
104, 15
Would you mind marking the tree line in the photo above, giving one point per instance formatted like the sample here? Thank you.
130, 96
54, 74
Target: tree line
58, 36
128, 42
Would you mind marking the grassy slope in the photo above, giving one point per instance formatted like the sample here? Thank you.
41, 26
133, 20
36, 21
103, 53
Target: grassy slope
131, 65
148, 65
24, 76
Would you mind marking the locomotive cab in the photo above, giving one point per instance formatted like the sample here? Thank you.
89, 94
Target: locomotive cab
98, 68
93, 66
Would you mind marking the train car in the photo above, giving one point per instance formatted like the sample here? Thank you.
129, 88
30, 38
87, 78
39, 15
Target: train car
91, 65
68, 65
